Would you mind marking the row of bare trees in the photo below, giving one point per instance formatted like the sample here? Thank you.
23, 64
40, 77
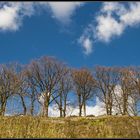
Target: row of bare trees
117, 87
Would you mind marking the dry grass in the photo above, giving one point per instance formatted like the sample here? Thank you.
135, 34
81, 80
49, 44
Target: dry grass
77, 127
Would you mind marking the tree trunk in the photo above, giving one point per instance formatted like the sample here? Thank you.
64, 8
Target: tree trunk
32, 102
60, 106
110, 110
80, 110
110, 104
65, 105
23, 105
3, 108
46, 108
80, 106
85, 109
124, 105
107, 111
64, 112
61, 111
32, 107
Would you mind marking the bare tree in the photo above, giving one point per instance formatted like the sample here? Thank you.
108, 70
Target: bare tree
22, 90
106, 78
31, 91
47, 73
22, 86
135, 90
8, 85
84, 84
136, 78
65, 86
127, 87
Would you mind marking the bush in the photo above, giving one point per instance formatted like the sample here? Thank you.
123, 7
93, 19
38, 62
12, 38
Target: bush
90, 115
73, 116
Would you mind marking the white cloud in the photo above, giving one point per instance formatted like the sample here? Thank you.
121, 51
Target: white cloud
109, 7
86, 39
112, 20
107, 28
8, 18
63, 11
132, 16
87, 45
96, 110
109, 21
12, 13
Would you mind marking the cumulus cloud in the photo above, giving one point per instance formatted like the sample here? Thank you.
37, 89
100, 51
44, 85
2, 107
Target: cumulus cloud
12, 13
62, 11
112, 20
107, 28
132, 15
8, 18
87, 45
96, 110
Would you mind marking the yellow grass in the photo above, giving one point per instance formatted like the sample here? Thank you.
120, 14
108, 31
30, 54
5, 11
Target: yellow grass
77, 127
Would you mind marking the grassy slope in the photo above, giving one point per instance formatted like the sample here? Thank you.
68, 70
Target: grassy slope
41, 127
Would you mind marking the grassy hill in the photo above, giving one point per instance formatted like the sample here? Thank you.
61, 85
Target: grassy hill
70, 127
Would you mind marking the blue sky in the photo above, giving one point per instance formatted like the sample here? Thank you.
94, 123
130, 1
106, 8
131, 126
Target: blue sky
75, 33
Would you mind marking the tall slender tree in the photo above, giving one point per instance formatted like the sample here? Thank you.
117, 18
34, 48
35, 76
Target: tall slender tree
84, 85
106, 78
65, 86
8, 85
